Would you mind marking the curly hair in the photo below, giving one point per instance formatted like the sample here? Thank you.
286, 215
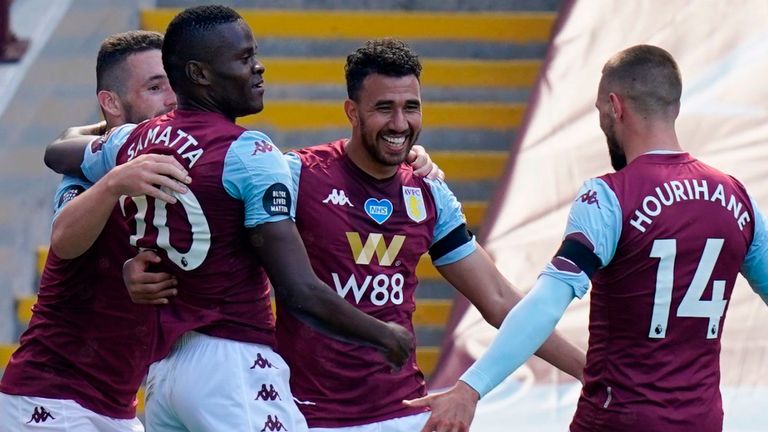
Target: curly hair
185, 41
390, 57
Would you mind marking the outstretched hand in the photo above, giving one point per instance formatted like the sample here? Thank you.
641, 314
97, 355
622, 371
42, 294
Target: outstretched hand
146, 287
452, 411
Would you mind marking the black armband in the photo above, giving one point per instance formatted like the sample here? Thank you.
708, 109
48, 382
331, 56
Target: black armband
581, 255
453, 240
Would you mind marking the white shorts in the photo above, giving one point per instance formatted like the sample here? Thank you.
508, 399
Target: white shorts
26, 413
411, 423
210, 384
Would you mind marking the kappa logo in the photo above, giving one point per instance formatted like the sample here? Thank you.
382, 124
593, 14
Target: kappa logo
590, 197
338, 197
40, 415
262, 363
261, 146
374, 244
273, 425
268, 394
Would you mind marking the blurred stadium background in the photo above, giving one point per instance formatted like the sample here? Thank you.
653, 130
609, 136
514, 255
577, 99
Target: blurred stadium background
503, 81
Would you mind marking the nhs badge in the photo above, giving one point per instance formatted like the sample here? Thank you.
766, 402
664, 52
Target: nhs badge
414, 203
378, 210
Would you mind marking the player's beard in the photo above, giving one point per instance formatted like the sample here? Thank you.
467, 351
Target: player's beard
371, 141
615, 151
133, 115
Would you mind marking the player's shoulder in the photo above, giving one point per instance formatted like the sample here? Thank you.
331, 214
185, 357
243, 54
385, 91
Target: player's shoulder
251, 142
321, 155
434, 186
720, 176
596, 194
254, 151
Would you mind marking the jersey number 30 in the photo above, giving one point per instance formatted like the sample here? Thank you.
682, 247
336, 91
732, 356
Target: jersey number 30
201, 232
692, 304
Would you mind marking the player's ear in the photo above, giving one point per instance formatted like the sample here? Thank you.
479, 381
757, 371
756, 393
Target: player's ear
617, 105
196, 72
110, 102
350, 109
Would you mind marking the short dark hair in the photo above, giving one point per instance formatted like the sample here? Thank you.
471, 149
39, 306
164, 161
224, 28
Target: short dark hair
183, 41
115, 50
389, 57
647, 76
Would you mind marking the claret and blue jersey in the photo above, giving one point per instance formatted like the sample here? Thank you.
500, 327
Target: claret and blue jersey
239, 180
662, 242
82, 307
365, 237
670, 235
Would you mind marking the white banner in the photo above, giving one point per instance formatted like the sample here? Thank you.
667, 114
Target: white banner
722, 49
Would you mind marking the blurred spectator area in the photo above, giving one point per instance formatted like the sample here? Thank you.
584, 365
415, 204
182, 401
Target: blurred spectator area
11, 48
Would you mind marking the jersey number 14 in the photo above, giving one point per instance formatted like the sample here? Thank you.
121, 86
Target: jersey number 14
692, 305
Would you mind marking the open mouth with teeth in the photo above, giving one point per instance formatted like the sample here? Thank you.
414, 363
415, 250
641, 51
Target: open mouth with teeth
395, 143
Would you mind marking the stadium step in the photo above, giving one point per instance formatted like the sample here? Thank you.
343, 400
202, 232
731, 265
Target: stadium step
504, 27
438, 72
317, 115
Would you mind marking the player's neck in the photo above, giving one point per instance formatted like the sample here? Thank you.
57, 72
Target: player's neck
363, 160
651, 139
114, 121
203, 105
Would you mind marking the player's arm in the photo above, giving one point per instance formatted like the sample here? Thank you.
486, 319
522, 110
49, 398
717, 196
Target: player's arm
78, 224
591, 237
478, 279
525, 328
755, 266
65, 154
281, 251
472, 272
265, 181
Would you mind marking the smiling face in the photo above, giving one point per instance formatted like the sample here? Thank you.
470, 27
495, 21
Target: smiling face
234, 73
386, 122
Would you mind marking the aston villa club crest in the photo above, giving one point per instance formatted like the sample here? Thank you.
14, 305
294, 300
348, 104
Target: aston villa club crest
414, 203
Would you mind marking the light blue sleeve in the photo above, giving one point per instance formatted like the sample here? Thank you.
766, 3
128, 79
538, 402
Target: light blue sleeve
449, 216
595, 214
755, 266
256, 173
68, 189
523, 331
101, 156
294, 164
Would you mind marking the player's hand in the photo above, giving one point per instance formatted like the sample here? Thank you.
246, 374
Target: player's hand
146, 287
399, 345
452, 411
150, 174
422, 164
